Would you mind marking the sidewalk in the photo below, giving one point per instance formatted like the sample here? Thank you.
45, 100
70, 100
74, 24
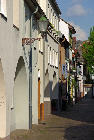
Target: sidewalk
77, 123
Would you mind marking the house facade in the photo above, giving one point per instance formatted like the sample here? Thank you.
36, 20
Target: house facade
52, 12
10, 52
65, 68
18, 20
63, 62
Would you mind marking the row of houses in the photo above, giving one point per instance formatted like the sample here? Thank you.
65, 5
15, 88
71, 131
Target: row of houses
35, 77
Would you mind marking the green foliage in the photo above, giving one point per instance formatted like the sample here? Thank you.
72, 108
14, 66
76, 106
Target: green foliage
88, 51
43, 18
74, 83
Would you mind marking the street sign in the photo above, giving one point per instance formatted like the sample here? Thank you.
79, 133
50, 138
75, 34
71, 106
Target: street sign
28, 41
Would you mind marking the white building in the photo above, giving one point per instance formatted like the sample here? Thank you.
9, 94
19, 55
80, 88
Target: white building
17, 22
52, 12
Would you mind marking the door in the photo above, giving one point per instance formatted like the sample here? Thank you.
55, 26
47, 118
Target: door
38, 98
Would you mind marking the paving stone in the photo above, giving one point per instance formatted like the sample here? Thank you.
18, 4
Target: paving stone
76, 123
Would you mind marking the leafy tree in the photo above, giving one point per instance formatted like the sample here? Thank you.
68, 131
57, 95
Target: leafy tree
88, 51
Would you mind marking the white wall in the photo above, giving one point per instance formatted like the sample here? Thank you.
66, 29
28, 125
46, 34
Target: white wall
70, 54
10, 51
16, 13
3, 7
20, 99
43, 4
2, 103
63, 27
52, 68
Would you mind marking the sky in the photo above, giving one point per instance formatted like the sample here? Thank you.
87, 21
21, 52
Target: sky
80, 13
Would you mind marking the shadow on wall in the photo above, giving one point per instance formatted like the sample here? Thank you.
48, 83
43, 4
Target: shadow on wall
80, 132
52, 94
62, 95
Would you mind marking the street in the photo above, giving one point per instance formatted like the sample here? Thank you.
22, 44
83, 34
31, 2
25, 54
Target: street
77, 123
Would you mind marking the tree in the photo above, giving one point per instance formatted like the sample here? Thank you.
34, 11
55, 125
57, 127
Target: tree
88, 51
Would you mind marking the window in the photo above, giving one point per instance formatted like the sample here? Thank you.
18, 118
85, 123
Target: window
53, 57
56, 62
3, 7
48, 5
55, 23
53, 19
51, 16
48, 55
40, 44
56, 59
48, 11
41, 41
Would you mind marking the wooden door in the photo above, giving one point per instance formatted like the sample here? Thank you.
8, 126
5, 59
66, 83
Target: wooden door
38, 98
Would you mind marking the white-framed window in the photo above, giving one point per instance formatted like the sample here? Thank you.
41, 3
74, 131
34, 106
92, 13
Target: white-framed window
40, 44
57, 60
53, 19
53, 57
51, 15
48, 54
3, 8
48, 11
57, 24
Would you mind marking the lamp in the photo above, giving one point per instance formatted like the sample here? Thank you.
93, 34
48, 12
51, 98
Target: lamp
43, 24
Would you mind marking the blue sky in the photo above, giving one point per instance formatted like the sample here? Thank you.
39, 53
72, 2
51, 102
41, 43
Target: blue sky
80, 13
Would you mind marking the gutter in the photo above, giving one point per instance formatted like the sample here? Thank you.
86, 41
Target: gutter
33, 4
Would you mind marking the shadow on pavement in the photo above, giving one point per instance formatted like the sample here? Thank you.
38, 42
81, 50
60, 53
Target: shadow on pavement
83, 111
81, 132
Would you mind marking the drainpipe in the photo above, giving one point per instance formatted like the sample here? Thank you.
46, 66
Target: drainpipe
30, 72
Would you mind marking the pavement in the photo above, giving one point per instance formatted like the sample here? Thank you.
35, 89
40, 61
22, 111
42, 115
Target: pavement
76, 123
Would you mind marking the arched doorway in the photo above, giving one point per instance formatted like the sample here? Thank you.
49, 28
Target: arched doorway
2, 103
20, 109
